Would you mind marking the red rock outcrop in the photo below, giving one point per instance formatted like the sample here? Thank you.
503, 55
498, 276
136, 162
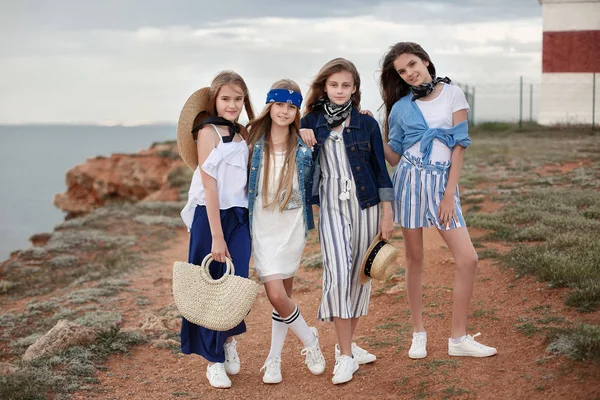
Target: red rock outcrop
133, 177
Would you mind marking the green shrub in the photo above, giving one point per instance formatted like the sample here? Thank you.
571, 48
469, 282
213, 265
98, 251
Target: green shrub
180, 177
580, 343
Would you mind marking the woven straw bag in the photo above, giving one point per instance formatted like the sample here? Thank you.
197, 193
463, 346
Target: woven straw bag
217, 304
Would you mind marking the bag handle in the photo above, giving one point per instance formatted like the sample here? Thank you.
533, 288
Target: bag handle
206, 263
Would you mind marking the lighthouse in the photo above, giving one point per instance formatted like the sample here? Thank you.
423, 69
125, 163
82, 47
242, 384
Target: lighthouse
570, 61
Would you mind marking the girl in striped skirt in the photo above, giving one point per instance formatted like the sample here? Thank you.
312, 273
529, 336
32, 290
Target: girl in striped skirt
349, 180
427, 134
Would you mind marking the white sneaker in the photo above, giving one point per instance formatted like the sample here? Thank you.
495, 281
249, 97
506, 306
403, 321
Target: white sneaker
232, 360
344, 369
272, 369
217, 377
418, 347
314, 358
470, 348
361, 355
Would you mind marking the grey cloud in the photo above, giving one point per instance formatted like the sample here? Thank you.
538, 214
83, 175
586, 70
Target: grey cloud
43, 15
132, 14
102, 74
458, 11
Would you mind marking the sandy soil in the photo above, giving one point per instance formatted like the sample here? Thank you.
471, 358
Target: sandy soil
501, 301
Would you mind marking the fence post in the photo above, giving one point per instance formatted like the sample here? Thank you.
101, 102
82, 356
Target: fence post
468, 98
531, 102
520, 102
593, 101
473, 106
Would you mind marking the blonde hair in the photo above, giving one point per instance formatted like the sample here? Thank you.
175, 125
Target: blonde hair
261, 127
317, 87
227, 78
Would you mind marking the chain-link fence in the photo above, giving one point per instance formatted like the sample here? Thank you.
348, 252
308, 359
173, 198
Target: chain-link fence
566, 101
506, 101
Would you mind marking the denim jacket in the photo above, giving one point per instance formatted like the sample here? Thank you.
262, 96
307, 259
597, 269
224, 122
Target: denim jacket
364, 147
304, 167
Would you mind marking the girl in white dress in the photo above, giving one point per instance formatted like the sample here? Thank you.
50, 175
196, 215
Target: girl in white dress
280, 218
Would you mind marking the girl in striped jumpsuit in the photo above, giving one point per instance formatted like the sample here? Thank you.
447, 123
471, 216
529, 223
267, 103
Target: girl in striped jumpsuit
349, 181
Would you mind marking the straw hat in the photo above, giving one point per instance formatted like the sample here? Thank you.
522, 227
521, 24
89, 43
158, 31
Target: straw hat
379, 261
192, 113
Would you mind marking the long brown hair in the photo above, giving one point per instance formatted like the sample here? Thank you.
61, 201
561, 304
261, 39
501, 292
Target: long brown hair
227, 78
261, 127
317, 87
392, 86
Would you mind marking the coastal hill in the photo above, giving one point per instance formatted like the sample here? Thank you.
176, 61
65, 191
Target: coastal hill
87, 310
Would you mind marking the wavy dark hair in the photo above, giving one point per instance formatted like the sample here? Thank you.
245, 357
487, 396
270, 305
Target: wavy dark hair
391, 85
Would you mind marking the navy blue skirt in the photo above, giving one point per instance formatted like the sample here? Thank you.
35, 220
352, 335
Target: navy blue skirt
196, 339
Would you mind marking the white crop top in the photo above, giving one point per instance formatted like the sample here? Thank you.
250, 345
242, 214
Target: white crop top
438, 114
228, 164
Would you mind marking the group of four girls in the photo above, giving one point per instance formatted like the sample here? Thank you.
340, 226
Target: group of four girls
260, 182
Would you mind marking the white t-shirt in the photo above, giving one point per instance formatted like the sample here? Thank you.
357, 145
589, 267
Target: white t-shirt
438, 114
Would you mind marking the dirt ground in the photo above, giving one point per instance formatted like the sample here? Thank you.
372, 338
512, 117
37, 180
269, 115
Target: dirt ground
522, 368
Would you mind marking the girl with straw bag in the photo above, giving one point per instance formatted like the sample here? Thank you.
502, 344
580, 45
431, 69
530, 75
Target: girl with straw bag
216, 213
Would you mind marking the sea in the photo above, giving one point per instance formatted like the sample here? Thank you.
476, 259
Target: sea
34, 160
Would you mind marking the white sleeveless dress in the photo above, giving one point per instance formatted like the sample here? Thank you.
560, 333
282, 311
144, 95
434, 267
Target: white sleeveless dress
278, 238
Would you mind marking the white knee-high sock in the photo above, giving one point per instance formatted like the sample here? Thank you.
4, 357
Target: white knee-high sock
297, 324
278, 333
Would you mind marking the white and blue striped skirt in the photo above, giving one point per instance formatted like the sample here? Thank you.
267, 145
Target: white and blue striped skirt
419, 189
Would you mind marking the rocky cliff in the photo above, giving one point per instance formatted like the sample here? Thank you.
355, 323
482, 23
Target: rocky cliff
154, 174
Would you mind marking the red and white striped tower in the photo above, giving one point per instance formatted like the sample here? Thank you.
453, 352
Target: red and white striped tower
570, 57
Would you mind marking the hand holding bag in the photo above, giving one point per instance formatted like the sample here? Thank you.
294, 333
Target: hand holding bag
217, 304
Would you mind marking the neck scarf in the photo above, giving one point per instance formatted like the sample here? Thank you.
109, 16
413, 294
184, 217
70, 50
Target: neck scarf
334, 114
233, 127
425, 88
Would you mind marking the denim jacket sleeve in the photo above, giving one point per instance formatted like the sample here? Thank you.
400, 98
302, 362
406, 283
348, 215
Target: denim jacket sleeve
385, 188
396, 132
307, 122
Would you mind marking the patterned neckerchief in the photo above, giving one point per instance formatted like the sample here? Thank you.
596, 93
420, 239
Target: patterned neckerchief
425, 88
334, 114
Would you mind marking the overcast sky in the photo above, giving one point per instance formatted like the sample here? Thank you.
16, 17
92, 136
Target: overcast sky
132, 61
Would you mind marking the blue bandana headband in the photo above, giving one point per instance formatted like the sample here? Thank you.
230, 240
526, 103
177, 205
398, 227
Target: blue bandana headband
284, 96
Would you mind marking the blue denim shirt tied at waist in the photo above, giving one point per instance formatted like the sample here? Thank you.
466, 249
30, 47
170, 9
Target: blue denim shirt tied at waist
407, 126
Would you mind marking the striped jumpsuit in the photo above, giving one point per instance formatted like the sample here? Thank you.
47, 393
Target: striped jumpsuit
345, 232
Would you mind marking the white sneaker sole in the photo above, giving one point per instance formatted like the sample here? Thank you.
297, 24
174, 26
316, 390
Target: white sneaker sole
366, 361
318, 371
274, 381
417, 356
455, 353
224, 386
232, 369
360, 361
337, 382
219, 385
